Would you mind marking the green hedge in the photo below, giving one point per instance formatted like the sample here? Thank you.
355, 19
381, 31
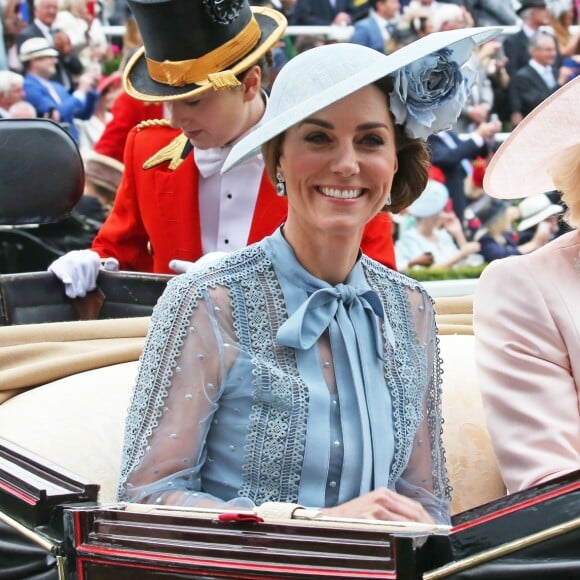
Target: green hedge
112, 65
459, 273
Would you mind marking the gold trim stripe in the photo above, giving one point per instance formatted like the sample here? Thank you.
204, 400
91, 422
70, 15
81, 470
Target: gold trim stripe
61, 567
171, 152
238, 68
195, 71
503, 550
28, 533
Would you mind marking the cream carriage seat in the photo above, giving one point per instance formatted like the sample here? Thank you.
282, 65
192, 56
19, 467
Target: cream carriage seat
77, 421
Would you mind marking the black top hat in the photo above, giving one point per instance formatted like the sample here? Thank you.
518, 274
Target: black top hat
191, 46
525, 4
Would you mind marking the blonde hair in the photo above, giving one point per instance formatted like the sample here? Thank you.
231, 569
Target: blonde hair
566, 176
503, 223
77, 8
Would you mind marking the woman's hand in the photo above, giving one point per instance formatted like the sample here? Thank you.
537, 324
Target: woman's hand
470, 248
451, 223
543, 234
425, 259
381, 504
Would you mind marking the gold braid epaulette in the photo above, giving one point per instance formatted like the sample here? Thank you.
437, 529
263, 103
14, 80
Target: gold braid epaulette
174, 152
152, 123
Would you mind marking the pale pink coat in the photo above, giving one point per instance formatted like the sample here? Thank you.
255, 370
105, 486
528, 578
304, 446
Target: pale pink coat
527, 328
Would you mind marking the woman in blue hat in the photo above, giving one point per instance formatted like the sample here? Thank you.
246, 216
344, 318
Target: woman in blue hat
298, 370
436, 238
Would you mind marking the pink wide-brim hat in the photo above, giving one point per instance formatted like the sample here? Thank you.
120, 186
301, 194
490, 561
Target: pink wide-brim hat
522, 165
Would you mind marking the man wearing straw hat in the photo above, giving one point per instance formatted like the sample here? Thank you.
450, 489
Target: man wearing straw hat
203, 59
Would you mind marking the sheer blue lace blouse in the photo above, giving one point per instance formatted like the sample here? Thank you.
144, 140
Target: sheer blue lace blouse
259, 382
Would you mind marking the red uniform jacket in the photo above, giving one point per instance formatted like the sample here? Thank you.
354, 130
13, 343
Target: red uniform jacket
127, 113
155, 217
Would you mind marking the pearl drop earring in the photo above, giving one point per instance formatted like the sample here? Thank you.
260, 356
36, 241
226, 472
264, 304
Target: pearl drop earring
280, 185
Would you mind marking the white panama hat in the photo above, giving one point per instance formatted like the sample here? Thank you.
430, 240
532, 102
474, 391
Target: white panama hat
522, 164
536, 209
37, 47
318, 77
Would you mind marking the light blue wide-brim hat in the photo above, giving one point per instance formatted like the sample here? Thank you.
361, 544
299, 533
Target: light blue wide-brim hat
431, 201
318, 77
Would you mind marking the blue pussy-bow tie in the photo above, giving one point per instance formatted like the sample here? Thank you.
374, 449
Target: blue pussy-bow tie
343, 303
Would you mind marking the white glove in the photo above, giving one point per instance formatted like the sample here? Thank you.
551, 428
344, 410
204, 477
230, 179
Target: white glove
78, 271
183, 266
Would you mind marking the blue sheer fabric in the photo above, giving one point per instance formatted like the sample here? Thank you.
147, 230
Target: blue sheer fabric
260, 382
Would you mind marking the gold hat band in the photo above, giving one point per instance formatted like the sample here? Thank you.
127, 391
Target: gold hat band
198, 70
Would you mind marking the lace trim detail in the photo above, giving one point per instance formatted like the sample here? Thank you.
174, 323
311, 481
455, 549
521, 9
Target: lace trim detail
274, 450
153, 380
406, 375
277, 435
441, 486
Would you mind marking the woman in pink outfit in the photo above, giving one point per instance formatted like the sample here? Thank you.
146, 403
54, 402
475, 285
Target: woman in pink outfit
526, 309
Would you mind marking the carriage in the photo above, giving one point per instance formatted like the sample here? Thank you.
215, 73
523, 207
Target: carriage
66, 371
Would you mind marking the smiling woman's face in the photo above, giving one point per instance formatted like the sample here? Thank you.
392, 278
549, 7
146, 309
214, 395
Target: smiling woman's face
339, 163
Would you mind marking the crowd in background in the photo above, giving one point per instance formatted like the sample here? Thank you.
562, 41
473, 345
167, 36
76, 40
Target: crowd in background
58, 62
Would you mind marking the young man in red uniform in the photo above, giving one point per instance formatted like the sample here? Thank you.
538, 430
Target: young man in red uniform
203, 60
